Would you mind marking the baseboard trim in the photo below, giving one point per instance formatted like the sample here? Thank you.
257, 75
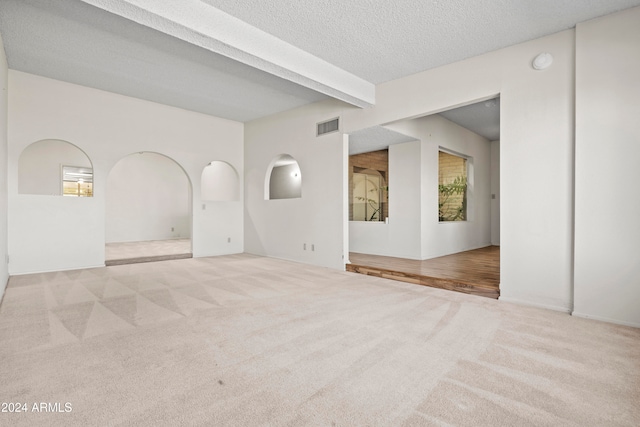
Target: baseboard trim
56, 270
605, 319
533, 304
472, 248
3, 290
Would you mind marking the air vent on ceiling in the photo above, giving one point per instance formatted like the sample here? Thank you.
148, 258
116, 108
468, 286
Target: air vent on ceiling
329, 126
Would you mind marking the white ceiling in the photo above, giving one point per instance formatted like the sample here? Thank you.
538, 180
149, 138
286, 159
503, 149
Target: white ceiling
382, 40
375, 138
482, 118
75, 42
243, 60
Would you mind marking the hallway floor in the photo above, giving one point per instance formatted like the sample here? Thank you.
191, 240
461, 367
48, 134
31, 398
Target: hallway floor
475, 272
152, 250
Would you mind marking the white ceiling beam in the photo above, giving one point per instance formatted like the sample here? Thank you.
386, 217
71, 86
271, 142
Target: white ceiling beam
200, 24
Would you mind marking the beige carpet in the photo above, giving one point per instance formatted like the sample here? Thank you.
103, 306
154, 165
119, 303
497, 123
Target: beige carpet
244, 340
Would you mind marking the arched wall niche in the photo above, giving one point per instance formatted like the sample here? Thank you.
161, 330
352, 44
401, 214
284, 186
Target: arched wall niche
55, 167
283, 179
148, 198
219, 182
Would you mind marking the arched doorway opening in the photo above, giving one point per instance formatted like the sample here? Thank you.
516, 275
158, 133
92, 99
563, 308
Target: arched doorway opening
148, 210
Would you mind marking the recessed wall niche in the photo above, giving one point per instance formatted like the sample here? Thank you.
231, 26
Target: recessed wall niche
284, 179
55, 168
219, 182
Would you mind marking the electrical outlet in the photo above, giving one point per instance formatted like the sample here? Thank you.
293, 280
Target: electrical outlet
313, 247
171, 228
304, 246
204, 206
228, 239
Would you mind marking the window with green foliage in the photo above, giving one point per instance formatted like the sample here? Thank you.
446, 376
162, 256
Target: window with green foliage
452, 187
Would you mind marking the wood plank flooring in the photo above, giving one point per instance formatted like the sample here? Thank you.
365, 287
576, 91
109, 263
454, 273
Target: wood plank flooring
475, 272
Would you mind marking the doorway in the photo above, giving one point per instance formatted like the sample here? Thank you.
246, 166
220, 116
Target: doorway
148, 210
444, 198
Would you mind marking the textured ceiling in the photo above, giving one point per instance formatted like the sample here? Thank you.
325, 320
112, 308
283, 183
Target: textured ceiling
382, 40
247, 59
78, 43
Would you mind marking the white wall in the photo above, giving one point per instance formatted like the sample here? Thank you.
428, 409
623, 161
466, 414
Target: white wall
495, 193
57, 233
4, 71
607, 230
148, 198
537, 122
280, 228
401, 236
444, 238
220, 182
40, 166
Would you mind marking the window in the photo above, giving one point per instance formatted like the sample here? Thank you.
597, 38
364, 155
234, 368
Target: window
77, 181
452, 187
369, 186
368, 197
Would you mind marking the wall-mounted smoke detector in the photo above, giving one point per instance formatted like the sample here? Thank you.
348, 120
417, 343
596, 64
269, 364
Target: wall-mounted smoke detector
542, 61
329, 126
